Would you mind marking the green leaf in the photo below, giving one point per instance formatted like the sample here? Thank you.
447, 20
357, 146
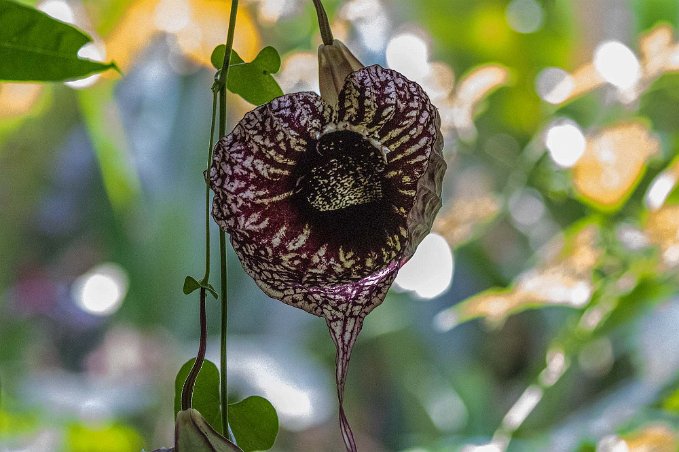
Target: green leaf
205, 392
34, 46
217, 57
252, 81
254, 423
191, 285
194, 434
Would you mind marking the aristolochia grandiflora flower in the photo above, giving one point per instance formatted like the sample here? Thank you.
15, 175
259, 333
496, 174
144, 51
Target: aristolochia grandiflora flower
324, 202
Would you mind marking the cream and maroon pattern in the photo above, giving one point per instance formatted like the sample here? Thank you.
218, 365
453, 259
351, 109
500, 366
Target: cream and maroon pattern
325, 203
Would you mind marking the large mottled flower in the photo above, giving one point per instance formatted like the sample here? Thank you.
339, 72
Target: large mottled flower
324, 203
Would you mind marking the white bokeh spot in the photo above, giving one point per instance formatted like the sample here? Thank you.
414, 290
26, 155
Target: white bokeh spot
429, 272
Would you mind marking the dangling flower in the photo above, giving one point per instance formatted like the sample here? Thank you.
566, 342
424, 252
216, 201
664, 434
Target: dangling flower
325, 198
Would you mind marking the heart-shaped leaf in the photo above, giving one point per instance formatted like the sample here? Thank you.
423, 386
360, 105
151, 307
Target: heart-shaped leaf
252, 81
34, 46
205, 392
191, 285
254, 423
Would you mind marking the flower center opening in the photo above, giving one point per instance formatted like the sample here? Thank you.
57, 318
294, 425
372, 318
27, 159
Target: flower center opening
343, 193
345, 170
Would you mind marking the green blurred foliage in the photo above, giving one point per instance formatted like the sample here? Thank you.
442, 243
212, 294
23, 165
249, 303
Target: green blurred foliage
109, 438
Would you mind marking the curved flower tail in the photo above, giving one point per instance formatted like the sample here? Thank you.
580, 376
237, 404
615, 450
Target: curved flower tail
344, 332
347, 434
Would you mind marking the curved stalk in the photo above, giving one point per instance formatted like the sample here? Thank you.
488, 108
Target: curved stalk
323, 24
190, 382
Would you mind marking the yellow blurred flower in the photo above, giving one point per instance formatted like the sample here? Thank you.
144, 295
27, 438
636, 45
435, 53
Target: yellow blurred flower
457, 111
659, 51
653, 438
564, 278
207, 29
662, 228
659, 54
199, 26
613, 163
461, 219
17, 99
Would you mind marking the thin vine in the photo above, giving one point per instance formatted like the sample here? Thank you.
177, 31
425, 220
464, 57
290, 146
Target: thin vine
220, 88
189, 383
219, 97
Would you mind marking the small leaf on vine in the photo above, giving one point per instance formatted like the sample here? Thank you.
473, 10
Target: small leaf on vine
191, 285
252, 81
254, 423
205, 392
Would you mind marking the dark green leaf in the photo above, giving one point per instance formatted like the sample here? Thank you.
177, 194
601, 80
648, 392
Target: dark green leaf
191, 285
205, 392
254, 423
194, 434
34, 46
252, 81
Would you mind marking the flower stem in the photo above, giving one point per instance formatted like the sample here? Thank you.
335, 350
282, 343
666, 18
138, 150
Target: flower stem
323, 24
189, 383
220, 88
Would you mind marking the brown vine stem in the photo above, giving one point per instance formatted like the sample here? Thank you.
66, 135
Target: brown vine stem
190, 382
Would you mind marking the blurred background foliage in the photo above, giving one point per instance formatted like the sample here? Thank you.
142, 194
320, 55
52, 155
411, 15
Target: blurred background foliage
543, 308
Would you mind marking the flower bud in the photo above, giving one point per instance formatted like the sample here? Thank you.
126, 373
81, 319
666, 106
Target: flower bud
194, 434
335, 63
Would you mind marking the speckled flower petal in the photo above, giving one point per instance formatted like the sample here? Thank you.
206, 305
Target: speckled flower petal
368, 100
323, 207
398, 114
253, 165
